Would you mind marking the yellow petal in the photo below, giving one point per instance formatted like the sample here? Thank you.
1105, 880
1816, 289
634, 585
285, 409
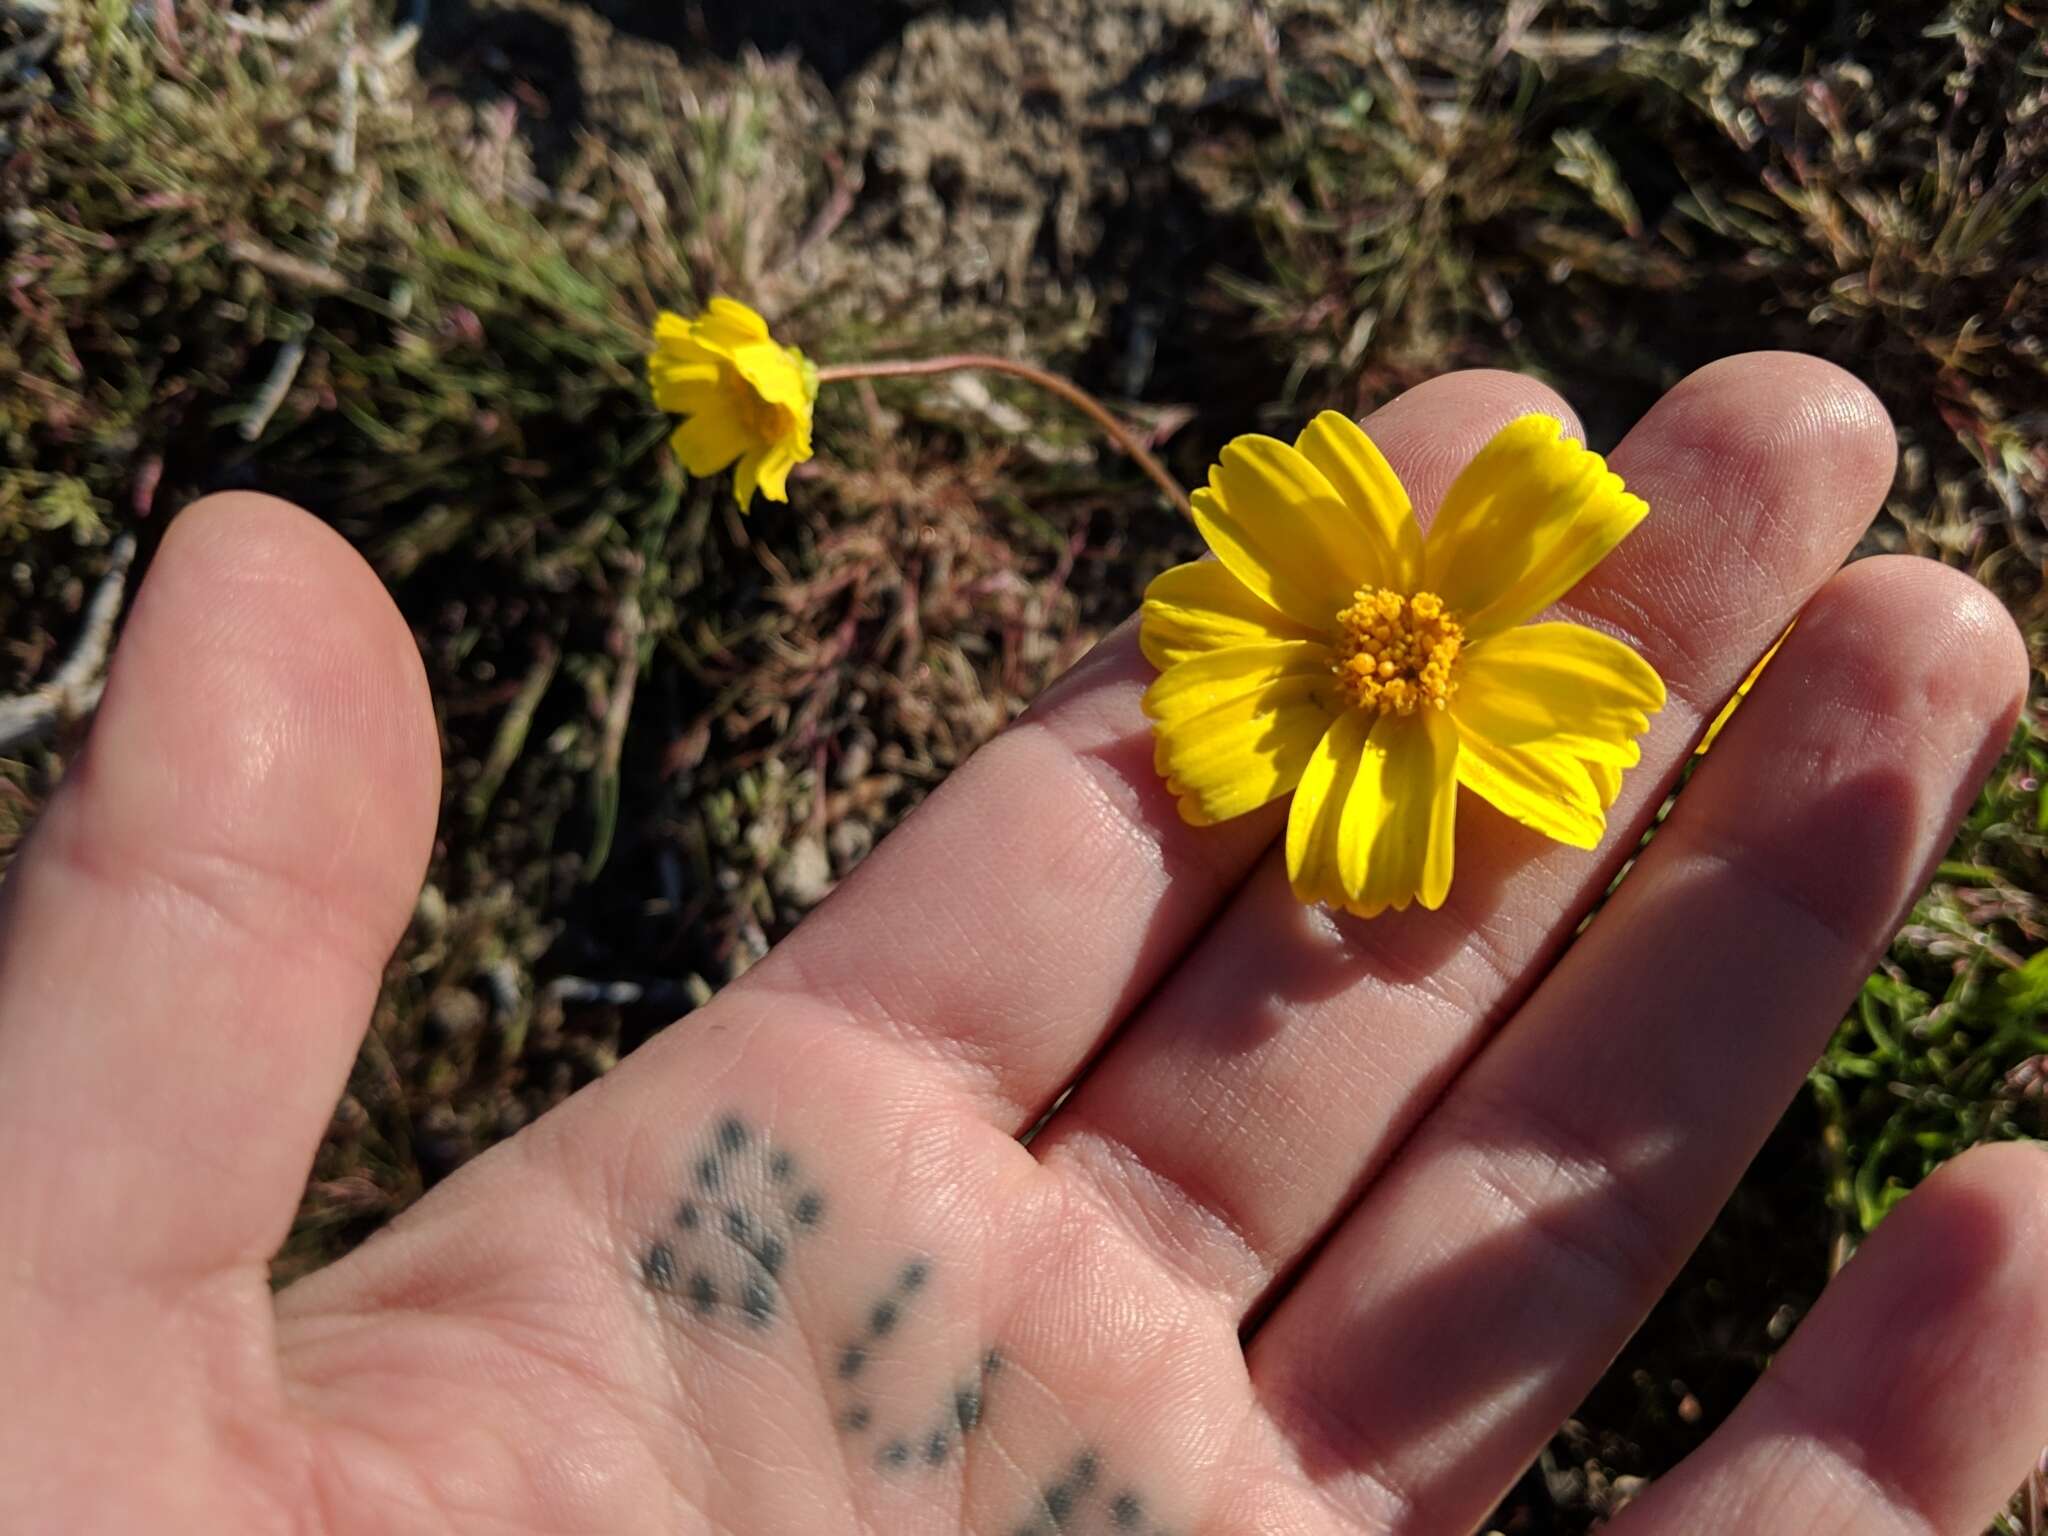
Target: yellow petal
1361, 475
728, 321
746, 476
1551, 793
1314, 864
1396, 836
776, 463
680, 341
1236, 736
1561, 687
682, 388
1528, 517
1372, 822
776, 375
1741, 692
711, 439
1283, 531
1606, 779
1191, 687
1200, 607
679, 370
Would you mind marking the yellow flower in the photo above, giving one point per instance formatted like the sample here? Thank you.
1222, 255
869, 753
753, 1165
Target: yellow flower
1741, 692
1332, 651
742, 395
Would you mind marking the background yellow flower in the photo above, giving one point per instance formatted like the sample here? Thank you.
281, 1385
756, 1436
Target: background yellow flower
1333, 652
745, 398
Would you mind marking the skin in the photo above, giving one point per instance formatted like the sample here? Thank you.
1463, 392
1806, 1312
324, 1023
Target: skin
1342, 1218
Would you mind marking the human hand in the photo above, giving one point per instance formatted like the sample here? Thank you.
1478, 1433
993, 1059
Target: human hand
1340, 1222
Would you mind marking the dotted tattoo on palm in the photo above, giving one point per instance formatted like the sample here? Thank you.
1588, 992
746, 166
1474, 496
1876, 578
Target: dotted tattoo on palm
959, 1413
1084, 1498
723, 1257
729, 1242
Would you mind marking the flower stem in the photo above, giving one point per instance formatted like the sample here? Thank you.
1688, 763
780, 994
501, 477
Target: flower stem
1051, 383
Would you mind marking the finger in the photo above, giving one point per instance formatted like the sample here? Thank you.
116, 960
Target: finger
1489, 1277
194, 936
1278, 1069
1046, 888
1913, 1399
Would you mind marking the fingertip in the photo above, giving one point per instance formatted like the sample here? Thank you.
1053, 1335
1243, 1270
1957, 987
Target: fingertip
1887, 706
1430, 432
1913, 1396
1912, 640
1783, 453
1810, 397
1494, 391
1963, 638
198, 926
268, 705
1950, 1286
1497, 394
1973, 1227
1796, 373
1992, 1200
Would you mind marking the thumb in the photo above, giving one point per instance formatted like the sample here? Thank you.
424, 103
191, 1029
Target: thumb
193, 939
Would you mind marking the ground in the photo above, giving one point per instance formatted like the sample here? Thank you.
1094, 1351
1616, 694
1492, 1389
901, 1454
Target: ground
406, 278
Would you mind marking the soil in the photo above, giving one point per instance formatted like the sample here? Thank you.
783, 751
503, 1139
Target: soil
1006, 157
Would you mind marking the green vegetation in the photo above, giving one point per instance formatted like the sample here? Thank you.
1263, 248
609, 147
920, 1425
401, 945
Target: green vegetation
406, 280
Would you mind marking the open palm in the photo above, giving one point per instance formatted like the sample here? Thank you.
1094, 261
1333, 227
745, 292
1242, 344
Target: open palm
1339, 1219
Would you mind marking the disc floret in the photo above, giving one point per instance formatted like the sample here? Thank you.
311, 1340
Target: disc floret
1396, 654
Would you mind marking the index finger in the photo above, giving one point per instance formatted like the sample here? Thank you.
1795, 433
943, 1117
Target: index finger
1045, 889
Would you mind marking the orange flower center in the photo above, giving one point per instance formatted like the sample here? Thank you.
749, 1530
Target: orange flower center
763, 419
1395, 653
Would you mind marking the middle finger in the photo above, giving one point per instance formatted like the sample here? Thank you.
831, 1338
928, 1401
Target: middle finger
1278, 1069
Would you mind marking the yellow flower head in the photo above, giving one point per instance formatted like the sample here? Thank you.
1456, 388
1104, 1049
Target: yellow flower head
743, 397
1333, 652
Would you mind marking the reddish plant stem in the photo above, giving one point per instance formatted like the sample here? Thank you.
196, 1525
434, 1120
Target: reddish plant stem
1051, 383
